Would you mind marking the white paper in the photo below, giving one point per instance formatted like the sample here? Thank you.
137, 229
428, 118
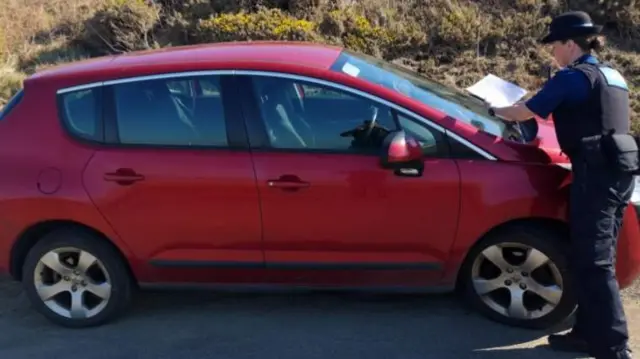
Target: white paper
350, 69
496, 91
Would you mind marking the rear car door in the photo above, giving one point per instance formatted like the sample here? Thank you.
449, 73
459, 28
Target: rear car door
327, 204
175, 178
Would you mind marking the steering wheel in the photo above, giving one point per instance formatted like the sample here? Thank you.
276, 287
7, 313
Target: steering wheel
367, 126
525, 131
515, 131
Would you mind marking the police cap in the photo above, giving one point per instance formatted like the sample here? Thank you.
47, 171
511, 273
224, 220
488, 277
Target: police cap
570, 25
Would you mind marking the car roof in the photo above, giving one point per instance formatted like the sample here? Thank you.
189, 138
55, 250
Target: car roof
181, 58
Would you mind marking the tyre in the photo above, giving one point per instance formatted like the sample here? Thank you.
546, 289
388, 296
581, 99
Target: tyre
76, 279
519, 277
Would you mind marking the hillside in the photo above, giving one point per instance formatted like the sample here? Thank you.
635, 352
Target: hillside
455, 41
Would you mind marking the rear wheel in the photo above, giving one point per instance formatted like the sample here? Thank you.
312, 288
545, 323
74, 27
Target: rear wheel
75, 279
520, 277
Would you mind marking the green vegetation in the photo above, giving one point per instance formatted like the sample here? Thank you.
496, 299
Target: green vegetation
455, 41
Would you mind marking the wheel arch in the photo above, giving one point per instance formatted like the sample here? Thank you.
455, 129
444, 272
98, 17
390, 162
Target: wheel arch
31, 235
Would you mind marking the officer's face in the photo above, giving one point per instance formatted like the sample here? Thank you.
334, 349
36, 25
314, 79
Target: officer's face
561, 52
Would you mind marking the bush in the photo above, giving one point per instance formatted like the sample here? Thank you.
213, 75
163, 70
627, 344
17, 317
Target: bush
120, 26
10, 83
269, 24
4, 51
377, 36
456, 41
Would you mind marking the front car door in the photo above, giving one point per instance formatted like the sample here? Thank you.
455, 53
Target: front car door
176, 179
327, 205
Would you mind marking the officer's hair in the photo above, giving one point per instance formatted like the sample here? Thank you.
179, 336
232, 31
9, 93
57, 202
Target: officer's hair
590, 43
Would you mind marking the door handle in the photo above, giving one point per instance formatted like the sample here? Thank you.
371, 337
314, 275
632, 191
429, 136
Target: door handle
288, 183
123, 176
284, 184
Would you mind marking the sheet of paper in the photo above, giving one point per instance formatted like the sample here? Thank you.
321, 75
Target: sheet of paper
496, 91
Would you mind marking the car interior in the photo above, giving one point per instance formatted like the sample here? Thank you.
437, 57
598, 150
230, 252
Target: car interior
311, 117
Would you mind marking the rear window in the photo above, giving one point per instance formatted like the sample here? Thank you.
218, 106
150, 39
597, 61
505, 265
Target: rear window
81, 111
15, 100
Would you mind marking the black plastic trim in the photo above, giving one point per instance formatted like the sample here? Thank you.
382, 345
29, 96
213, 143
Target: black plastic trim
295, 266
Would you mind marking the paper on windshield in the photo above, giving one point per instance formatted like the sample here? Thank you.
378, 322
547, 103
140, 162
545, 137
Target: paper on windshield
350, 70
496, 91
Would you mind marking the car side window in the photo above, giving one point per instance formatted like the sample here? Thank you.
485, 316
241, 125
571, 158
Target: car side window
303, 115
170, 112
80, 111
432, 141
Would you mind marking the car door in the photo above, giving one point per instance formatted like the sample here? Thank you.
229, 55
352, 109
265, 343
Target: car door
176, 180
327, 204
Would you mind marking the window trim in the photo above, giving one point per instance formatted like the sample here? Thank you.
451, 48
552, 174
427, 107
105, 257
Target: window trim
305, 78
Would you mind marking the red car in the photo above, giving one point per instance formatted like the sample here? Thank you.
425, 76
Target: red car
270, 165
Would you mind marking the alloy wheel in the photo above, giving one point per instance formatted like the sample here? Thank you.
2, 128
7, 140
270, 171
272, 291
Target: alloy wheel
73, 283
517, 281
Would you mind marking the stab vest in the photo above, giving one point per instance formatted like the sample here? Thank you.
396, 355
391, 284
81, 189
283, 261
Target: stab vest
606, 109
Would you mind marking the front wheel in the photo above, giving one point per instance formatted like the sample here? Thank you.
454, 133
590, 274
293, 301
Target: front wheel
76, 279
520, 277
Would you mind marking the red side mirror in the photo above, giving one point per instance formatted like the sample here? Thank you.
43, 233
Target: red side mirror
402, 153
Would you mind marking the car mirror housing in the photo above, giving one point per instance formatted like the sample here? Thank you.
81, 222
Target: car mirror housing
403, 154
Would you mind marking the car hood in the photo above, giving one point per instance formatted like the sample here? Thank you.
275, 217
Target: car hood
542, 148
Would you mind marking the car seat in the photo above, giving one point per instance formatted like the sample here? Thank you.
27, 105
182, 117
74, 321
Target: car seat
284, 119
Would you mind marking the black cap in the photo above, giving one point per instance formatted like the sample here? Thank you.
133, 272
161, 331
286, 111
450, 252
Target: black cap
569, 25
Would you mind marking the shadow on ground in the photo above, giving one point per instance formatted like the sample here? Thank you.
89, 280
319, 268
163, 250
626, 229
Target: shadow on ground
257, 325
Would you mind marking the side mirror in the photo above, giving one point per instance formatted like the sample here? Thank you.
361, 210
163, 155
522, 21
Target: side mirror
403, 154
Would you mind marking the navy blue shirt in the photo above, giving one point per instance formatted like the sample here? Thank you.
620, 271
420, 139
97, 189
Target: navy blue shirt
567, 85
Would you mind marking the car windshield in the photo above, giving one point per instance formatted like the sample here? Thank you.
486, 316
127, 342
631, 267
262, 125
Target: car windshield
455, 103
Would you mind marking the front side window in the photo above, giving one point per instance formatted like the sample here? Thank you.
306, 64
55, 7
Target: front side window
303, 115
171, 112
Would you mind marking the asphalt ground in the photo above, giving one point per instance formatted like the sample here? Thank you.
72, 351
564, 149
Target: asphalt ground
193, 324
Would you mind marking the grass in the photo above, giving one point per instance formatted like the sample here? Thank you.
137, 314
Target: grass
456, 41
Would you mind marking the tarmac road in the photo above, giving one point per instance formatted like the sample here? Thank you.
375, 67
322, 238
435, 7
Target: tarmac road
190, 324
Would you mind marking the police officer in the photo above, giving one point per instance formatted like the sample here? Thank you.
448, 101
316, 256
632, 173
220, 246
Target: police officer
590, 106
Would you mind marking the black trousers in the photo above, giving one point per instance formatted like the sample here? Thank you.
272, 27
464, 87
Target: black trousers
599, 197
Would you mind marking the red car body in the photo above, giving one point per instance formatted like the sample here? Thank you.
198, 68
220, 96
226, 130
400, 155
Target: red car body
216, 215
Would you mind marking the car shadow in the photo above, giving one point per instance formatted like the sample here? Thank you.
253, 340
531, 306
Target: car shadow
416, 325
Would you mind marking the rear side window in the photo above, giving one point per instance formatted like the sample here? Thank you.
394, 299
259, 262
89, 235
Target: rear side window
171, 112
81, 112
15, 100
